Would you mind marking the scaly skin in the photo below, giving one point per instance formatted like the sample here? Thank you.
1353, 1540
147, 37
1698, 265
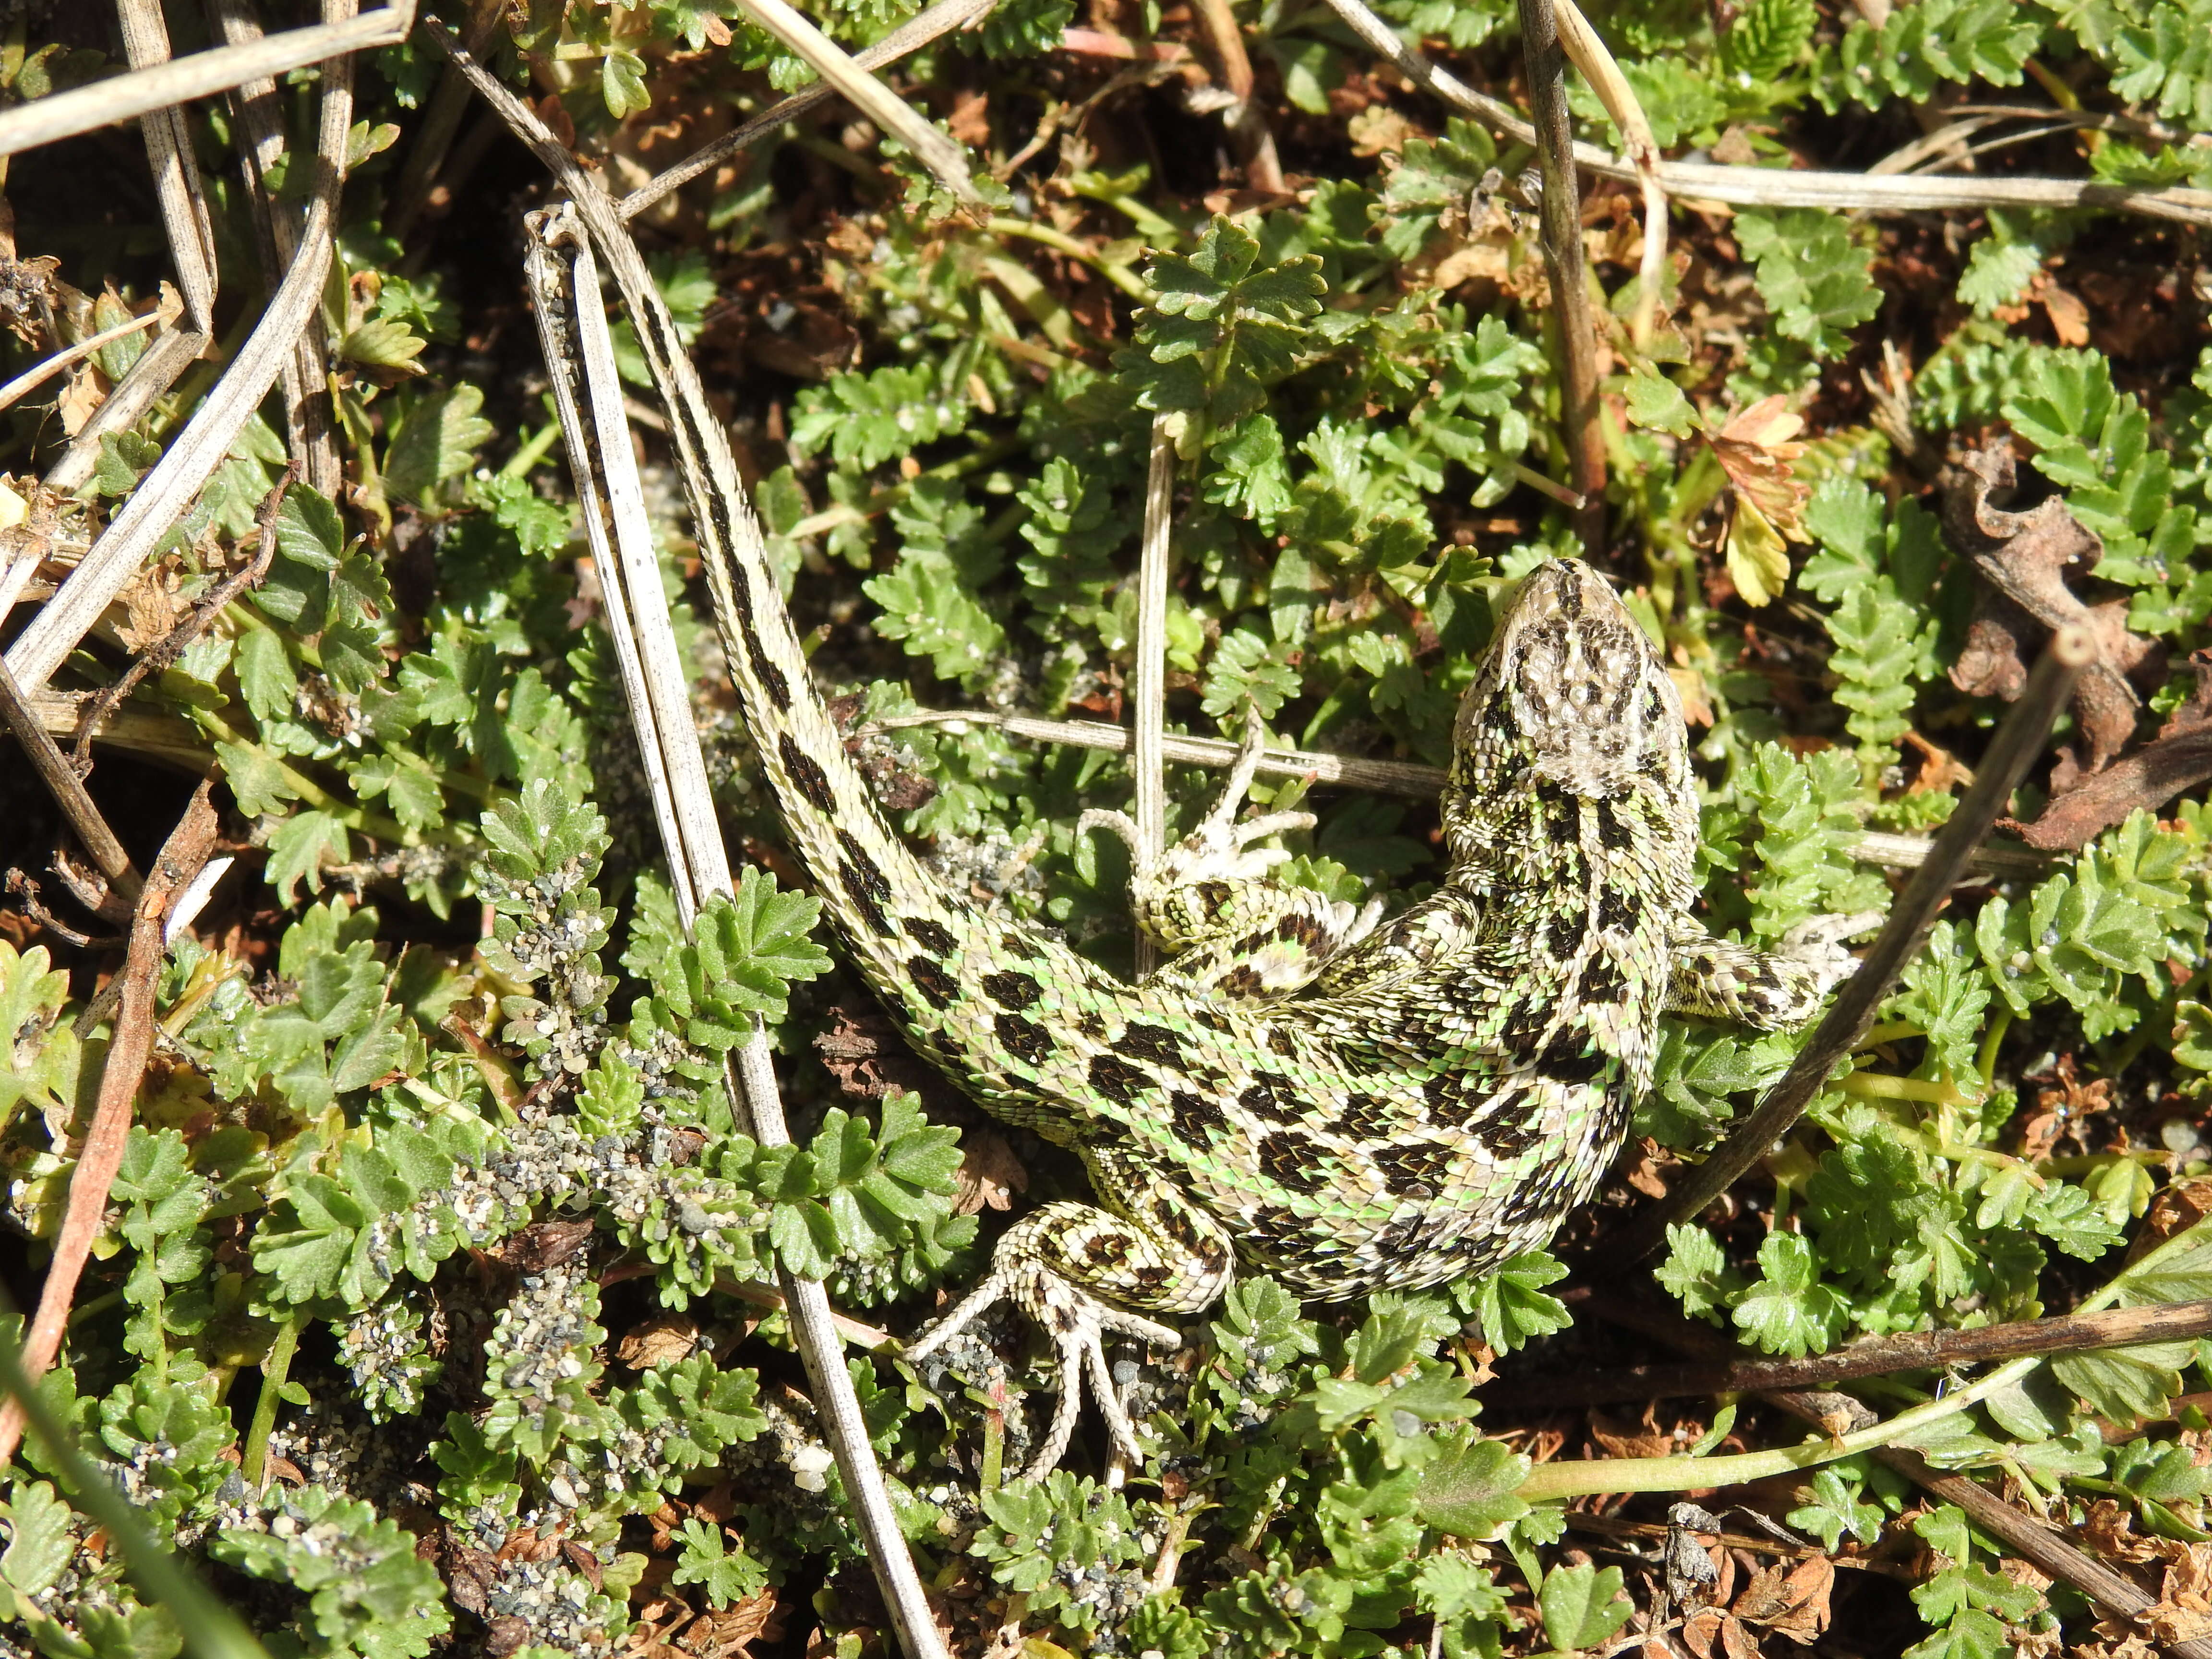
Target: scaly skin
1344, 1106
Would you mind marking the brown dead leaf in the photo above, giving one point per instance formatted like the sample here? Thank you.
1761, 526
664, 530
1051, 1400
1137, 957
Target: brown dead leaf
546, 1244
1796, 1603
1488, 260
2183, 1610
2179, 757
1379, 130
970, 123
990, 1175
1755, 449
84, 388
1701, 1631
2022, 559
734, 1630
2120, 1641
2023, 1573
660, 1341
2070, 317
1642, 1169
1622, 1441
29, 296
2076, 1097
863, 1052
1939, 771
2178, 1206
2109, 1529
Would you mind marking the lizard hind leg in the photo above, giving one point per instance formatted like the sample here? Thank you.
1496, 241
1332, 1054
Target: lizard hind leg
1075, 1269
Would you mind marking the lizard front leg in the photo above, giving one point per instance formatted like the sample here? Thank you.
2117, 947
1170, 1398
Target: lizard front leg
1771, 990
1078, 1270
1232, 928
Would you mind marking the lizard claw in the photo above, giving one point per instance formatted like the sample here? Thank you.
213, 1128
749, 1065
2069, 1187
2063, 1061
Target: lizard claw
1078, 1322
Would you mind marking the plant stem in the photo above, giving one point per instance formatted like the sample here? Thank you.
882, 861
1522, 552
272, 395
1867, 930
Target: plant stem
1577, 1477
1060, 242
1581, 1476
1875, 1357
1561, 221
254, 1453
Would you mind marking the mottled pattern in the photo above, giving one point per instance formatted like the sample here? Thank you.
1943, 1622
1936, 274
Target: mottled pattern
1343, 1105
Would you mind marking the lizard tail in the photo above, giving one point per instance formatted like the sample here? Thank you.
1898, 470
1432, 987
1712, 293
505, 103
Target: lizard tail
877, 893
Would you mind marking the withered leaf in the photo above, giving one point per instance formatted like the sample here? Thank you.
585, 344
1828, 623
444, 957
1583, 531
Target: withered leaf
2022, 557
2179, 758
1755, 450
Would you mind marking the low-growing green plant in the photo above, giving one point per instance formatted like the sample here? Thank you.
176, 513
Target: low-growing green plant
430, 1303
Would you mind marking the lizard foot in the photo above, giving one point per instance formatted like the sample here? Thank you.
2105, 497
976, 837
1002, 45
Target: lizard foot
1077, 1322
1219, 848
1817, 946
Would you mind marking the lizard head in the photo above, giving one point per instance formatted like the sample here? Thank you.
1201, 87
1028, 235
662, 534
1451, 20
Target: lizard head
1571, 702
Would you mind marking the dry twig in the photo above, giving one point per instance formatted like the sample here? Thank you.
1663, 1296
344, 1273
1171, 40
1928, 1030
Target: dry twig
158, 656
1407, 778
1148, 694
67, 787
1913, 1351
1560, 218
1588, 50
2025, 1535
947, 162
719, 510
2015, 746
1746, 186
191, 460
910, 37
132, 1041
198, 74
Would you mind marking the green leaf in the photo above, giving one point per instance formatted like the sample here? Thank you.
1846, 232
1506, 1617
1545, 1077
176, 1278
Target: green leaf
1224, 326
1969, 1636
35, 1053
1816, 281
1468, 1488
383, 343
1582, 1606
2125, 1386
706, 1561
1836, 1510
1513, 1306
1787, 1309
125, 458
1248, 678
1657, 402
622, 84
931, 611
864, 420
746, 949
297, 849
1697, 1272
438, 438
2168, 58
1768, 38
1917, 47
39, 1540
360, 1573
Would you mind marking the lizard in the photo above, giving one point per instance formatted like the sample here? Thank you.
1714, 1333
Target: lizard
1343, 1102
